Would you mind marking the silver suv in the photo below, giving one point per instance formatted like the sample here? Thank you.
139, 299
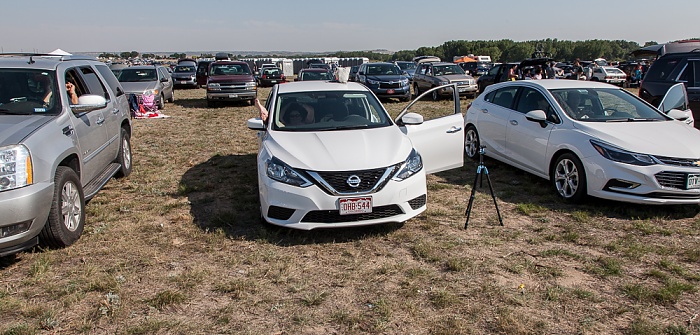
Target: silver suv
58, 147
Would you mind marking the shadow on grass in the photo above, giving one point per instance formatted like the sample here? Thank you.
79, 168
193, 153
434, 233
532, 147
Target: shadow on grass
223, 195
519, 187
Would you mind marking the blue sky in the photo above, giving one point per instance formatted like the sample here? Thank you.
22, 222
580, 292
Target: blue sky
318, 26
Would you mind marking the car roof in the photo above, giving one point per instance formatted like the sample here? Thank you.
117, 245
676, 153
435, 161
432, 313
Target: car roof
320, 85
228, 62
143, 67
549, 84
38, 61
314, 69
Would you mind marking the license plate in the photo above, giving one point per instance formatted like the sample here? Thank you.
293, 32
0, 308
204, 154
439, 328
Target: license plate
693, 181
182, 82
355, 205
390, 91
273, 81
462, 89
233, 95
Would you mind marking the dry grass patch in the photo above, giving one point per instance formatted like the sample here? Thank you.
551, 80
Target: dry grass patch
178, 248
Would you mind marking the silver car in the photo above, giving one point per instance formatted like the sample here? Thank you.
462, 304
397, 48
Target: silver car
64, 132
150, 80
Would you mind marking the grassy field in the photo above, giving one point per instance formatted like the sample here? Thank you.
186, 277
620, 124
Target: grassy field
177, 248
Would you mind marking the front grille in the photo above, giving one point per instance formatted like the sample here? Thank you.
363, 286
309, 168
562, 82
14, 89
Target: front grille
393, 84
672, 179
334, 216
417, 202
686, 162
279, 213
336, 182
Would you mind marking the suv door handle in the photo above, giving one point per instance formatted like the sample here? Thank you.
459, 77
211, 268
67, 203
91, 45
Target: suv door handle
514, 122
100, 120
484, 110
67, 130
115, 111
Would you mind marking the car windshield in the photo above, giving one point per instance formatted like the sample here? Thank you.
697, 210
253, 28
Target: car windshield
28, 91
328, 111
406, 65
383, 69
444, 70
184, 69
137, 75
604, 105
229, 69
308, 75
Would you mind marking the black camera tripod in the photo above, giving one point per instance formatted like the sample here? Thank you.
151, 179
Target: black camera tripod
480, 171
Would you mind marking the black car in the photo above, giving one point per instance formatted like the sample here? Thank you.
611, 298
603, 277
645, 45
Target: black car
270, 76
670, 69
499, 72
353, 73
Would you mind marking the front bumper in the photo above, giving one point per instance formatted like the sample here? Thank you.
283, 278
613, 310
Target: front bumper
381, 91
185, 81
30, 204
654, 184
463, 90
310, 207
231, 95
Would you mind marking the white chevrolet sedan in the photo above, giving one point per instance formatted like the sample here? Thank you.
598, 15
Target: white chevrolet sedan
590, 138
331, 156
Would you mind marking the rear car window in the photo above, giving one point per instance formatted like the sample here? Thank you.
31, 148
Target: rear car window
661, 69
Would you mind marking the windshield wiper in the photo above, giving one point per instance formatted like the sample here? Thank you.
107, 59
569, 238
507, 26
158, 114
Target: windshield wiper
633, 119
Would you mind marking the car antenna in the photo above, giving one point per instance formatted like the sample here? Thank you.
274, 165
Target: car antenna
31, 61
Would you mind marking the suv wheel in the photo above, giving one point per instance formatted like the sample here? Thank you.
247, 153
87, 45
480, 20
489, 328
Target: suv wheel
436, 96
416, 90
172, 97
124, 158
67, 214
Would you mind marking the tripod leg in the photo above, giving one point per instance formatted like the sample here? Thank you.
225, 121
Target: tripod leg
488, 179
471, 198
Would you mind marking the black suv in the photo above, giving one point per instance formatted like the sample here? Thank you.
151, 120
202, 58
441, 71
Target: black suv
670, 69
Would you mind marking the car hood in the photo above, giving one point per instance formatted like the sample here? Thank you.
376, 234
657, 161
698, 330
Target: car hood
454, 78
670, 138
138, 87
341, 150
14, 128
388, 77
239, 78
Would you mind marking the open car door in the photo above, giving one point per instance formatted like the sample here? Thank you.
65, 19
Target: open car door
439, 140
675, 104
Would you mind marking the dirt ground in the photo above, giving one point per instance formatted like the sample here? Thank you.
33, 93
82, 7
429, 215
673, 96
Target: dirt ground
178, 248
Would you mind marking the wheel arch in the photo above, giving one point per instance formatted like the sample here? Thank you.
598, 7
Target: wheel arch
555, 156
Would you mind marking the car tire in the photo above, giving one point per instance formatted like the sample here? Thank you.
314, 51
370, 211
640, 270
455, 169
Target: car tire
161, 102
416, 90
124, 158
481, 88
172, 97
67, 214
211, 104
569, 178
436, 96
471, 142
251, 102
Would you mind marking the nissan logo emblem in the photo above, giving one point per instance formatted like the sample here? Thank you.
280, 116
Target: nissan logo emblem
354, 181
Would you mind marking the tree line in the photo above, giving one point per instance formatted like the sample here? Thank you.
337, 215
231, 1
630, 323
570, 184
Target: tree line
500, 50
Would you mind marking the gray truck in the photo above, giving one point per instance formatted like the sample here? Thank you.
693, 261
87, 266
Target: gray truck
65, 131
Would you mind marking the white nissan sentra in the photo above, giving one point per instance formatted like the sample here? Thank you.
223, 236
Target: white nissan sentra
591, 138
331, 156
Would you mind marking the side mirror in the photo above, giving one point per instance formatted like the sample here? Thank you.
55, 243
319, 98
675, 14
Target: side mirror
361, 73
537, 115
163, 80
412, 118
675, 98
256, 124
88, 103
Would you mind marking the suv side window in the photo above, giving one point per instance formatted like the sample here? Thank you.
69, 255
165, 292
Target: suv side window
691, 74
112, 81
94, 84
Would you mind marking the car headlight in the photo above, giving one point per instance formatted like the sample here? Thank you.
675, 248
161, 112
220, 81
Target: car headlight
404, 82
214, 86
283, 173
250, 85
15, 167
372, 82
153, 92
621, 155
411, 166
